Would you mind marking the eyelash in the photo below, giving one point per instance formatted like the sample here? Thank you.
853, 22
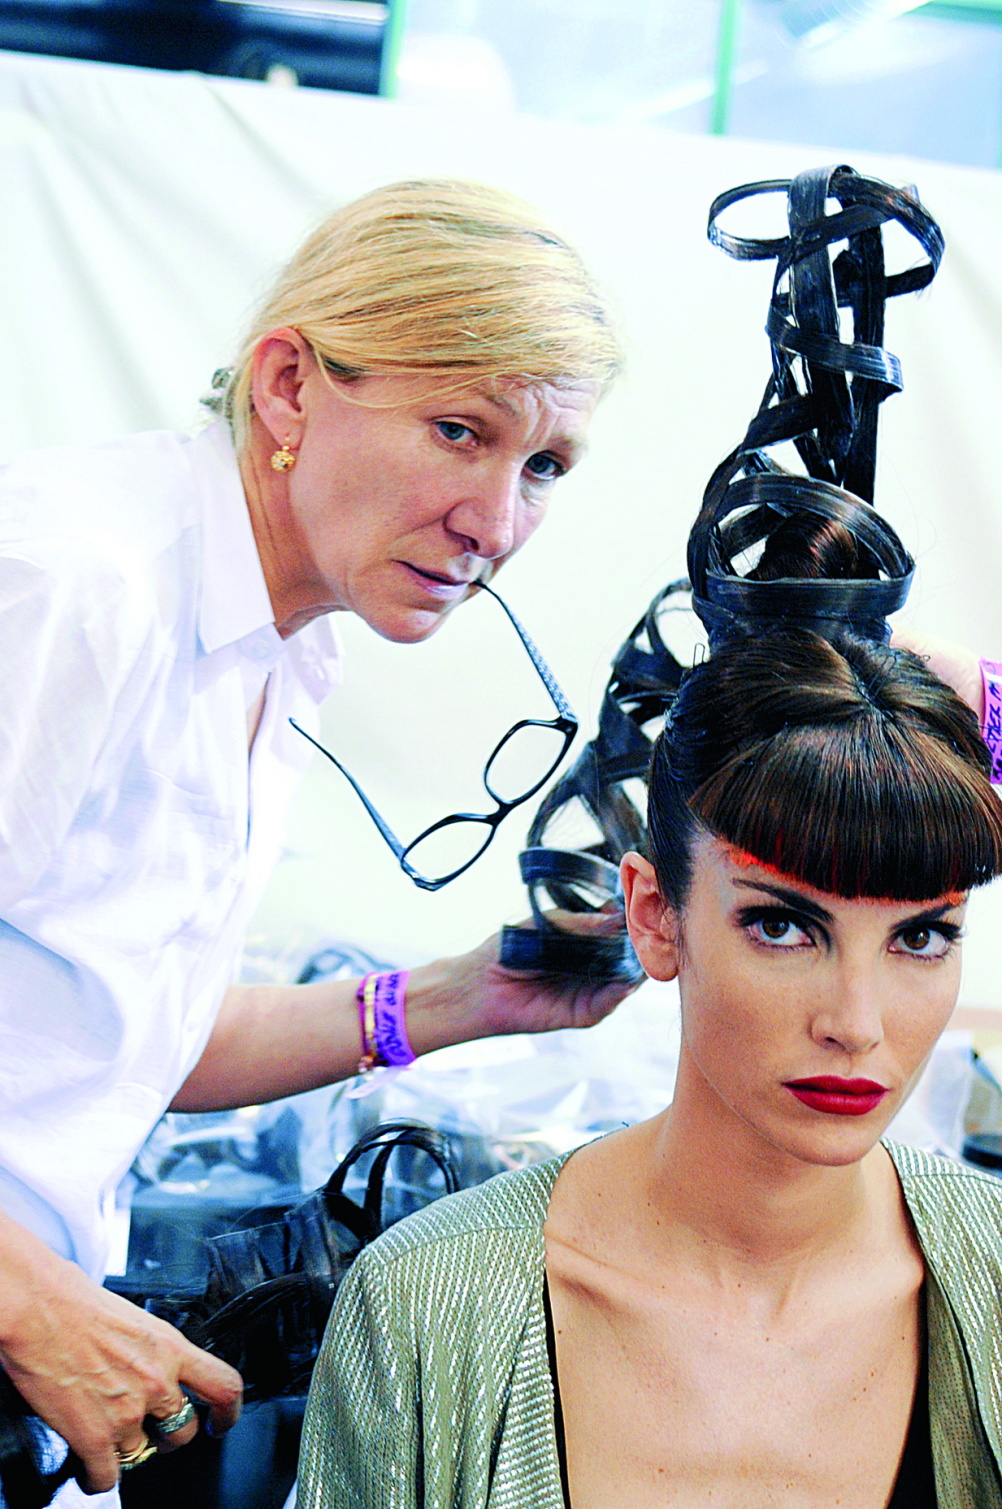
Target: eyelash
454, 424
950, 932
558, 470
750, 916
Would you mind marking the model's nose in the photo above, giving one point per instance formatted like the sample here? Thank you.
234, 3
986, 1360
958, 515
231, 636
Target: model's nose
486, 517
849, 1015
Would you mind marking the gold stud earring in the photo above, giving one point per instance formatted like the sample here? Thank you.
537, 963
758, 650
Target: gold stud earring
283, 460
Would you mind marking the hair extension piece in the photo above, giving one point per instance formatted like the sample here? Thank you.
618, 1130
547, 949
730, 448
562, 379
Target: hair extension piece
824, 395
803, 740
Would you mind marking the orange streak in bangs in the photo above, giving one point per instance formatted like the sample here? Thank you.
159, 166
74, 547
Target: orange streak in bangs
745, 860
742, 858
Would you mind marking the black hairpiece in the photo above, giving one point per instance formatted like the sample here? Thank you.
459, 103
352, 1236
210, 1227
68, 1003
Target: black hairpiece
645, 677
820, 557
824, 397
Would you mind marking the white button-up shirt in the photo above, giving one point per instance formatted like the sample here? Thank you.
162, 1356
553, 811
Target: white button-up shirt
135, 836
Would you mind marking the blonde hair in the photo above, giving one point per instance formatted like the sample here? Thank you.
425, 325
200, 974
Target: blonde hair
434, 276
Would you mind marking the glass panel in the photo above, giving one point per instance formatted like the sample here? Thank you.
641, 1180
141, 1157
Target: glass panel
448, 848
522, 760
857, 72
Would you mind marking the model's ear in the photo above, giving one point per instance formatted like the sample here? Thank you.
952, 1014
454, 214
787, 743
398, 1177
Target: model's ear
282, 361
652, 925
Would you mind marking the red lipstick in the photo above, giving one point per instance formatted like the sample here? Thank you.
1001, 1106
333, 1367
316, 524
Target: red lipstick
838, 1097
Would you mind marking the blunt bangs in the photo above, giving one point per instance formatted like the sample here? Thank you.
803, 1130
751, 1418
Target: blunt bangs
867, 807
847, 765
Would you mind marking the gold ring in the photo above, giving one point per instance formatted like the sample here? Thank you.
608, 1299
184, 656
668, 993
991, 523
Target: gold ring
129, 1459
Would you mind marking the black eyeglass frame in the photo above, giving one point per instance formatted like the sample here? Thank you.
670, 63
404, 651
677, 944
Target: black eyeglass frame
565, 723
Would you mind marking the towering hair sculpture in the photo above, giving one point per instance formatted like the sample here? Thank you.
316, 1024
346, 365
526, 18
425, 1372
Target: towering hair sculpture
771, 548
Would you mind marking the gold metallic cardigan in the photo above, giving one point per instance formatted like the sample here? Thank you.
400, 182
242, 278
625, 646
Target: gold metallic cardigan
433, 1389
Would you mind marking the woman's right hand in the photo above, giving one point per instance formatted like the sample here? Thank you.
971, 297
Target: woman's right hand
953, 663
94, 1366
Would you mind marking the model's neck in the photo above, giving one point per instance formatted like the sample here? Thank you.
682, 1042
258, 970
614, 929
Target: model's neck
717, 1185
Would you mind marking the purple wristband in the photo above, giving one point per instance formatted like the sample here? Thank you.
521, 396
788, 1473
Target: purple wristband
991, 722
391, 1042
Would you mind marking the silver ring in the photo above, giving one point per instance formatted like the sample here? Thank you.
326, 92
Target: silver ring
177, 1421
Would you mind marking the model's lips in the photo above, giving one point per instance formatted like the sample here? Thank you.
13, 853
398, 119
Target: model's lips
438, 583
840, 1086
838, 1097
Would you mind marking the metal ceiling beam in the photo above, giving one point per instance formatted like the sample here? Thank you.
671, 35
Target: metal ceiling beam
393, 37
986, 11
727, 58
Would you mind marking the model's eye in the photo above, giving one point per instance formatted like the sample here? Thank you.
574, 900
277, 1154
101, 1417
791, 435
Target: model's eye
779, 930
545, 468
925, 942
451, 429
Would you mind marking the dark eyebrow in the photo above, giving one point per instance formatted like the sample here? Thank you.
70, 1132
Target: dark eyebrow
800, 903
931, 914
793, 899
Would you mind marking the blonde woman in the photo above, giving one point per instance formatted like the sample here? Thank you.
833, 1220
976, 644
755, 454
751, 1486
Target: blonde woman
422, 375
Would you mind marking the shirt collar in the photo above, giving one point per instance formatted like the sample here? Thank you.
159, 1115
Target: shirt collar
234, 599
235, 608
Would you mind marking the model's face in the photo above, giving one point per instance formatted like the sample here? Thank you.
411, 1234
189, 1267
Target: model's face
402, 496
806, 1018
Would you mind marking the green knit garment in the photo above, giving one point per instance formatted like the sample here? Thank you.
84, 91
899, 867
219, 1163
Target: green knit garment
433, 1387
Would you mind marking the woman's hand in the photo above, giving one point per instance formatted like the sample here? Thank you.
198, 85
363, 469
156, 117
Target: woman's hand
94, 1366
272, 1040
952, 663
456, 1000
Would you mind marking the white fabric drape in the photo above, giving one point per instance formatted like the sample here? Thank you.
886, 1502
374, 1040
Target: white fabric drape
144, 212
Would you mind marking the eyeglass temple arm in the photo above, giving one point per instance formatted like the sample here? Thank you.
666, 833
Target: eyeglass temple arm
384, 828
546, 676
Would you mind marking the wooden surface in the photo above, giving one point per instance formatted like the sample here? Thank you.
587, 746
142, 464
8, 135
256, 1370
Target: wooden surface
984, 1021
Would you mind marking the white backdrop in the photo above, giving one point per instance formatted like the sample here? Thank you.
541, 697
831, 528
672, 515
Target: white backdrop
144, 212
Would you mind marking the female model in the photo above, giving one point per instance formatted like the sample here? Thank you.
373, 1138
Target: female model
749, 1300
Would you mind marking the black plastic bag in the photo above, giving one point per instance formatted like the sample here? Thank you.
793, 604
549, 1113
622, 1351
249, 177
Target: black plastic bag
266, 1304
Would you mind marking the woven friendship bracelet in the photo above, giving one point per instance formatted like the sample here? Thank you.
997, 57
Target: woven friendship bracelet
991, 722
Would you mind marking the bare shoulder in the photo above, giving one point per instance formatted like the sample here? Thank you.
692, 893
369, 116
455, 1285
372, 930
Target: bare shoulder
592, 1186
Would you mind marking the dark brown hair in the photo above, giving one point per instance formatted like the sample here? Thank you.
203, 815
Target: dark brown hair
847, 765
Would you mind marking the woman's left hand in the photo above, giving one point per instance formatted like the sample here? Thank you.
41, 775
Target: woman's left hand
274, 1040
473, 995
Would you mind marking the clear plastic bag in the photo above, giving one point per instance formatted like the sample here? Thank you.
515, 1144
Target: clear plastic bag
502, 1103
510, 1101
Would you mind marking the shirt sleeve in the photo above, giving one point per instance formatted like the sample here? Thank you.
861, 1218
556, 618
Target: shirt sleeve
76, 627
361, 1437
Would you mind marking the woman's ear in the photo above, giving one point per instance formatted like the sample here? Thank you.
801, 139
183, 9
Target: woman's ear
652, 925
281, 363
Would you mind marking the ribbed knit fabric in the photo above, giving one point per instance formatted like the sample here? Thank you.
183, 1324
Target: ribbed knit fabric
433, 1388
